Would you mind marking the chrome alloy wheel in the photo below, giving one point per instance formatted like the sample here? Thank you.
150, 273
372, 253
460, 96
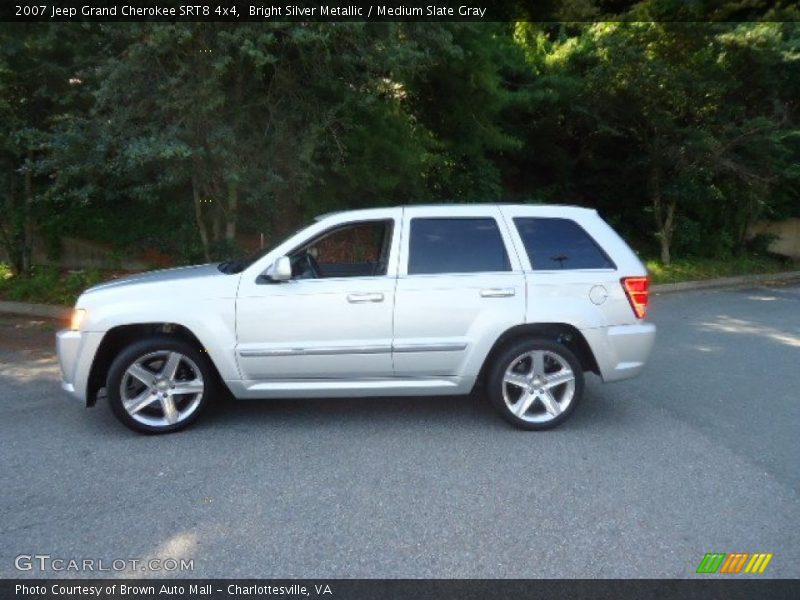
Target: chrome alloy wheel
162, 388
538, 386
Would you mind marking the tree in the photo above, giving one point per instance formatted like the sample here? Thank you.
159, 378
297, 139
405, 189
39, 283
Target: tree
681, 134
218, 116
651, 119
34, 79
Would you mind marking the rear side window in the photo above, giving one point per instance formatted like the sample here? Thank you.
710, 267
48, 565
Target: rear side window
554, 244
458, 245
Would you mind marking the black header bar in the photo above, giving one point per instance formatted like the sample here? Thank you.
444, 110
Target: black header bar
225, 11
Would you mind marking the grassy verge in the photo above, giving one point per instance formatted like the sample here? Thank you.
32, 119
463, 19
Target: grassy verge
709, 268
48, 285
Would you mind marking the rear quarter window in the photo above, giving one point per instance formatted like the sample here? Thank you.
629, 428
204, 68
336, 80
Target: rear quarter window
556, 244
456, 245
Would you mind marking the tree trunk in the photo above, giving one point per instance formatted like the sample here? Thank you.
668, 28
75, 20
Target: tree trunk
666, 259
283, 223
198, 215
748, 219
665, 223
232, 212
26, 229
216, 222
9, 226
288, 213
666, 233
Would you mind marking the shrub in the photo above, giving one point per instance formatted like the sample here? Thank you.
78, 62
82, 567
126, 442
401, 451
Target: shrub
47, 284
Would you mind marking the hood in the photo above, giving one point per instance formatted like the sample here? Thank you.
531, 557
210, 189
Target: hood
162, 276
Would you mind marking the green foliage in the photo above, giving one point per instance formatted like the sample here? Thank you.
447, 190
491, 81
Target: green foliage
689, 130
182, 138
46, 284
708, 268
5, 273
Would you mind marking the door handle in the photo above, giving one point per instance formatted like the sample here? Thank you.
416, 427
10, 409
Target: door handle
497, 292
358, 298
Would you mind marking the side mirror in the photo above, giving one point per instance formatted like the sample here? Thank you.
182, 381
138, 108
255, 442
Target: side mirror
281, 269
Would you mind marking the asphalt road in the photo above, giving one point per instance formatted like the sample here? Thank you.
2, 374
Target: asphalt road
699, 454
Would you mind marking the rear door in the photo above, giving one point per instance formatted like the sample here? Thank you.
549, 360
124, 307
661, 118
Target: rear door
460, 286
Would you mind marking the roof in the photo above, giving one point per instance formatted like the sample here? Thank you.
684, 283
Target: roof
571, 207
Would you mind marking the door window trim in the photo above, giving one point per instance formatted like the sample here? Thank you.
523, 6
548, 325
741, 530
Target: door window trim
389, 245
508, 245
515, 225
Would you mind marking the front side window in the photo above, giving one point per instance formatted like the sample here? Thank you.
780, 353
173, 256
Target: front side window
555, 244
355, 250
456, 245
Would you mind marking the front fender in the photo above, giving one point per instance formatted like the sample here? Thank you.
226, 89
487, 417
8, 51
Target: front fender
211, 320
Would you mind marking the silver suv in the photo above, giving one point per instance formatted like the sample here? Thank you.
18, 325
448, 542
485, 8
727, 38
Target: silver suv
415, 300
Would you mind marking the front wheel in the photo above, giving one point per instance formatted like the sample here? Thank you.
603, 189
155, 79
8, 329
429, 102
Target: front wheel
158, 385
536, 384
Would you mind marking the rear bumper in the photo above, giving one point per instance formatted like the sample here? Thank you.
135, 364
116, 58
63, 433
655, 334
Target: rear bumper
76, 350
621, 351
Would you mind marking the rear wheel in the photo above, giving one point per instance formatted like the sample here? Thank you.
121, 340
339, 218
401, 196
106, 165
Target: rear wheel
159, 385
536, 384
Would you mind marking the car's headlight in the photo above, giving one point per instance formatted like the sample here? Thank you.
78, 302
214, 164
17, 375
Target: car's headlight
78, 317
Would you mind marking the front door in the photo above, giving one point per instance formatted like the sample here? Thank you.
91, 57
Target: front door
333, 319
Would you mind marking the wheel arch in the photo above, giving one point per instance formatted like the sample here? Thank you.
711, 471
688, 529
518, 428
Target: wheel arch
563, 333
121, 336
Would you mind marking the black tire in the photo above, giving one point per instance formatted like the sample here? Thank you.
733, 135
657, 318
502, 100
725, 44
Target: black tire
509, 357
153, 346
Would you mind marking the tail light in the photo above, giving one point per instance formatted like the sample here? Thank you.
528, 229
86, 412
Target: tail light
637, 290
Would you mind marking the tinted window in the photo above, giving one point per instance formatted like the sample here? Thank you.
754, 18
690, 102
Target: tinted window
456, 246
560, 244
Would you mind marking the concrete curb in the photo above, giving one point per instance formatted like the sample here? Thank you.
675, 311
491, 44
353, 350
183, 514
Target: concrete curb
50, 311
724, 282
